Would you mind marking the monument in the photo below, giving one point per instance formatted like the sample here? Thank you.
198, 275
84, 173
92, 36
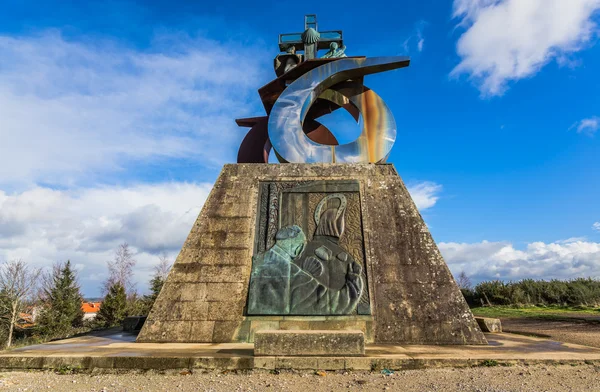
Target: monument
329, 239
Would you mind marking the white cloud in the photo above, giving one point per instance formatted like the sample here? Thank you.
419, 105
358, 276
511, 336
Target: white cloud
416, 38
507, 40
500, 260
425, 194
596, 226
43, 225
588, 126
71, 110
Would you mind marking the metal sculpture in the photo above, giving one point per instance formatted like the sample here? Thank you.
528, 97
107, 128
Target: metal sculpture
308, 88
335, 51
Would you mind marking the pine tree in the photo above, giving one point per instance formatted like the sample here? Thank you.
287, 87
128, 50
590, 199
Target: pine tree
161, 271
62, 303
113, 308
156, 285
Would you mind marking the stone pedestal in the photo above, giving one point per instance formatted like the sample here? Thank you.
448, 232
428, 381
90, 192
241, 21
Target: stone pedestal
309, 343
403, 291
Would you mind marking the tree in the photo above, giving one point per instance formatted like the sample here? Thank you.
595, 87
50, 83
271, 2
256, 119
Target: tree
112, 310
163, 267
463, 281
18, 282
161, 271
120, 270
62, 302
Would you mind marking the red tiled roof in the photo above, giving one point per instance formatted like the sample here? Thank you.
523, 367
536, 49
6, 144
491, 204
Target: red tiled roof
91, 307
28, 318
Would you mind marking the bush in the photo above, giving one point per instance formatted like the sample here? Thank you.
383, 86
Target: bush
528, 292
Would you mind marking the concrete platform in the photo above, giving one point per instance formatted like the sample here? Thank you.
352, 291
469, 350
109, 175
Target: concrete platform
119, 351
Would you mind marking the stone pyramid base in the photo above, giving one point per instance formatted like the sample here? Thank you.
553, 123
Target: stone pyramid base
409, 296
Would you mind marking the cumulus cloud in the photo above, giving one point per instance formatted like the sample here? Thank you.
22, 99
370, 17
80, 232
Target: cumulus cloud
573, 258
44, 225
507, 40
73, 109
425, 194
596, 226
588, 126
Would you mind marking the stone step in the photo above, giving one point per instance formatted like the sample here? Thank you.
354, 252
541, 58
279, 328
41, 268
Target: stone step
309, 343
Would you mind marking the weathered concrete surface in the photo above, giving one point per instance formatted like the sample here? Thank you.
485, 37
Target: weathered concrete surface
488, 324
119, 351
309, 343
414, 298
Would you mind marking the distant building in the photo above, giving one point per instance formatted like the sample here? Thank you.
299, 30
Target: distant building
28, 317
90, 310
25, 320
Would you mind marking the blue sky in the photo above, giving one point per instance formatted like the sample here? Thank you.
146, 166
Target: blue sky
115, 119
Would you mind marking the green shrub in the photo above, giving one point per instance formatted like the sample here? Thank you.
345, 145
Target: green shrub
583, 292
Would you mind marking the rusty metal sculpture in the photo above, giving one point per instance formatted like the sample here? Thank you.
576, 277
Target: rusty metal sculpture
308, 88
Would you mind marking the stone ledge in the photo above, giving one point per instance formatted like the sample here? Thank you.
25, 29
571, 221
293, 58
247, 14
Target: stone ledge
488, 324
108, 364
309, 343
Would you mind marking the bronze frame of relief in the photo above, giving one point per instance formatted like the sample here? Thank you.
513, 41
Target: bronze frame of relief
328, 275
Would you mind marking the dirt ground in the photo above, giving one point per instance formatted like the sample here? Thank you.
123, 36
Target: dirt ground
515, 378
580, 330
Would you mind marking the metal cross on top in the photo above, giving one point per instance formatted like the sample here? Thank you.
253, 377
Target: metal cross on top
311, 40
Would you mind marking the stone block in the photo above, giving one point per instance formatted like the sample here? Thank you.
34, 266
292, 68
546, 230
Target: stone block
21, 362
201, 331
223, 363
102, 362
260, 325
193, 310
229, 256
488, 324
166, 331
221, 292
154, 363
227, 331
358, 363
309, 343
225, 311
265, 363
57, 362
133, 323
298, 363
331, 363
193, 292
221, 274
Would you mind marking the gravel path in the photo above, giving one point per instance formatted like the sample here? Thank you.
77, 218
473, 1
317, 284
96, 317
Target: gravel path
516, 378
586, 332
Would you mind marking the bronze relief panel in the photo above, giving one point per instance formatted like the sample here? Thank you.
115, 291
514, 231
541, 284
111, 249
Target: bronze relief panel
309, 254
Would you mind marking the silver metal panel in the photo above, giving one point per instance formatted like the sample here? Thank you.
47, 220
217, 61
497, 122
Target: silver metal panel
289, 112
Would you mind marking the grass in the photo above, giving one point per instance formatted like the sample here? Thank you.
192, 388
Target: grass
489, 363
549, 312
67, 369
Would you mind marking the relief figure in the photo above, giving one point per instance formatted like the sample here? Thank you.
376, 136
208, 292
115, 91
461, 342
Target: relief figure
335, 283
316, 278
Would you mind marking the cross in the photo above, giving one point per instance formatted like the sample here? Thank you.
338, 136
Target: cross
295, 39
